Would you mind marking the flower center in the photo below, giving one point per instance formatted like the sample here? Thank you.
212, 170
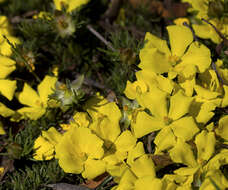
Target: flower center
138, 90
173, 59
39, 103
167, 120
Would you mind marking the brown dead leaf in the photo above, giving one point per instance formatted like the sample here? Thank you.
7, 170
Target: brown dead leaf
175, 10
166, 9
155, 7
226, 52
95, 182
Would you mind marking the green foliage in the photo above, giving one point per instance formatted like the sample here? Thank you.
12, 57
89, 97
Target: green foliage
37, 176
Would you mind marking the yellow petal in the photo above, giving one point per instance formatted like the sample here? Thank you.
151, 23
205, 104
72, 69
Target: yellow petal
135, 153
29, 97
52, 135
82, 119
4, 24
187, 85
32, 113
222, 129
154, 61
180, 38
145, 183
217, 161
106, 129
198, 55
71, 4
164, 140
93, 168
214, 179
116, 170
153, 41
205, 31
205, 143
43, 149
45, 88
45, 144
143, 166
205, 93
186, 171
7, 88
76, 145
4, 111
179, 105
206, 112
185, 128
155, 101
151, 79
7, 66
125, 142
5, 47
145, 124
132, 89
127, 181
182, 153
186, 70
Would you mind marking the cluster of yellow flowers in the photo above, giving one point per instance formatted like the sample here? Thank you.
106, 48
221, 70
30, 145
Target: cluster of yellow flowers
7, 66
177, 90
177, 107
211, 10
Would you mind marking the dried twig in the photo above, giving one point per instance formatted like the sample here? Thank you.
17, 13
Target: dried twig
100, 37
216, 71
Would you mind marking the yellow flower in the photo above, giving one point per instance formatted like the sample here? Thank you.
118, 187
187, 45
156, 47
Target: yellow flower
80, 119
45, 144
214, 179
105, 118
117, 152
201, 6
203, 166
7, 88
80, 151
70, 5
140, 173
202, 109
185, 57
211, 10
172, 122
146, 80
36, 102
206, 31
